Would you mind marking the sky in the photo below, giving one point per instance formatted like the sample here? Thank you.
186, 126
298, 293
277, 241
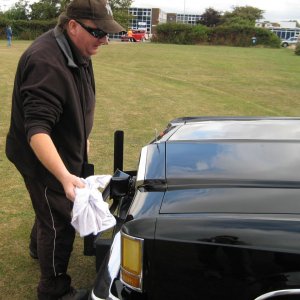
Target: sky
274, 10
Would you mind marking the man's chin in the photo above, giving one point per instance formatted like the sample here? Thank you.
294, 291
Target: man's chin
94, 51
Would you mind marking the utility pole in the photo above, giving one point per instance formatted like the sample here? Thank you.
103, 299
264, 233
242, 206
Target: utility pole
183, 11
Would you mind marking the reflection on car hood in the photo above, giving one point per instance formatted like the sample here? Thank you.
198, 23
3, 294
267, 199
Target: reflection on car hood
227, 162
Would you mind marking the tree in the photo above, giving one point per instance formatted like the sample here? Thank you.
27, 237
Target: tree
63, 4
50, 9
120, 4
210, 18
234, 21
243, 14
19, 11
114, 4
120, 11
45, 10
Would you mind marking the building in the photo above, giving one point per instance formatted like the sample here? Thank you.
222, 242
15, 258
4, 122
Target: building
266, 24
149, 18
146, 18
283, 30
288, 24
188, 18
285, 33
171, 18
158, 17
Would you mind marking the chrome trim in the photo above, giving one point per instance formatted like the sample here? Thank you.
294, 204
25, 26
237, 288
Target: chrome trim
132, 237
93, 297
142, 166
111, 271
111, 297
132, 287
142, 263
279, 293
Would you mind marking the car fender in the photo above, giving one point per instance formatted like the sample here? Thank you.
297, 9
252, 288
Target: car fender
269, 295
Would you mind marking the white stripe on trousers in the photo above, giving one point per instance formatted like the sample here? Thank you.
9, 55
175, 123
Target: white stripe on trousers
53, 226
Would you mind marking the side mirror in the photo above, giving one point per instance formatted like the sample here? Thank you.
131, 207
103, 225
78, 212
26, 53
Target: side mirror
120, 184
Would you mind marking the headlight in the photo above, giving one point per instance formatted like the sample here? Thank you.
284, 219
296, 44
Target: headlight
132, 261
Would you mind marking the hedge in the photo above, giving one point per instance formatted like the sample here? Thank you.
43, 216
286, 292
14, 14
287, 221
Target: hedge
26, 30
242, 36
177, 33
297, 49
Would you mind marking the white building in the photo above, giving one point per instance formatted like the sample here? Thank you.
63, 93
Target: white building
283, 29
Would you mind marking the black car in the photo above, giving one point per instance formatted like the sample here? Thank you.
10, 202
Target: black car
213, 212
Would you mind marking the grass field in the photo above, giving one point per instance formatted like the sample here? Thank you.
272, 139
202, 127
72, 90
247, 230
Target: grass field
140, 87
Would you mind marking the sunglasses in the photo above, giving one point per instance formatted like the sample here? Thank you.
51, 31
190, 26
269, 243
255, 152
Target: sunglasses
95, 32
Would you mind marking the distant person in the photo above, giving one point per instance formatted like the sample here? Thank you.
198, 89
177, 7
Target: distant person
129, 34
52, 116
147, 35
8, 35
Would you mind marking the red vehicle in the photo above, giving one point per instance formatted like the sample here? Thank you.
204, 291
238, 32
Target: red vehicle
135, 35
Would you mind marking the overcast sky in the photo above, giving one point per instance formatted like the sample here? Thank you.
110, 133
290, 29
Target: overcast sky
275, 10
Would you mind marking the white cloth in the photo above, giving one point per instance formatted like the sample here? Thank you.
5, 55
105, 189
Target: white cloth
90, 213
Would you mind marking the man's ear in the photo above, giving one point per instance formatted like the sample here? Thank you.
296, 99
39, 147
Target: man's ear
73, 27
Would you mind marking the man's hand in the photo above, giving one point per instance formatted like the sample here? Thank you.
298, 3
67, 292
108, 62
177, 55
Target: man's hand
69, 183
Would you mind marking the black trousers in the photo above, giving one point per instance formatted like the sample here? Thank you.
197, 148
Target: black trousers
53, 236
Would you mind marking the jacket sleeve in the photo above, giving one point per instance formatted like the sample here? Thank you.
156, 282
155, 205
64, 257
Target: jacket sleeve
44, 92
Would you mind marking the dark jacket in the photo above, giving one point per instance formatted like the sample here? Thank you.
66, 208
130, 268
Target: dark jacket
54, 93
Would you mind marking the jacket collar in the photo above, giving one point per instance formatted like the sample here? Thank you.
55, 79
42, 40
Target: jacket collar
69, 49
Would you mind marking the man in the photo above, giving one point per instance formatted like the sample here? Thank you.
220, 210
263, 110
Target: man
52, 117
8, 35
129, 34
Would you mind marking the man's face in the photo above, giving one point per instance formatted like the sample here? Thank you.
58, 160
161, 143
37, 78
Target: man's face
84, 41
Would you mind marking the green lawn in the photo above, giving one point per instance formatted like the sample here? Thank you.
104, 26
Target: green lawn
140, 87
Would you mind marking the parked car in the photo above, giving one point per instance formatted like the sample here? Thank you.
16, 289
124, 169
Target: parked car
213, 212
137, 35
289, 42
